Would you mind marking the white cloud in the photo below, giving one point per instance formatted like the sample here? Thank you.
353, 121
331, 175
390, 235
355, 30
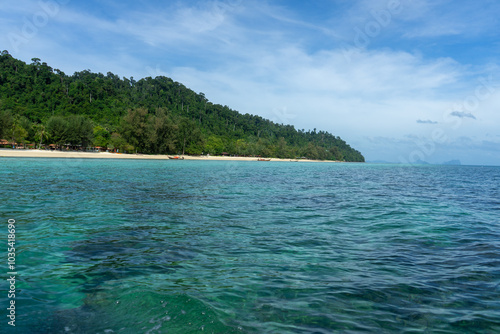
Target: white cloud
177, 26
381, 93
448, 18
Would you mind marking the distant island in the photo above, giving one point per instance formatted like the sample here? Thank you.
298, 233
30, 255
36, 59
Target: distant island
42, 107
453, 163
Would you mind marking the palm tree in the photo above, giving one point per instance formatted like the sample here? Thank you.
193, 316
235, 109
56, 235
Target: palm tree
41, 134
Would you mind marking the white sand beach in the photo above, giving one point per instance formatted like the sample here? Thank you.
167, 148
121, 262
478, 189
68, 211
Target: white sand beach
27, 153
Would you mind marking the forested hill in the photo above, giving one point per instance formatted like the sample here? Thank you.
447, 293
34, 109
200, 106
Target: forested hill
39, 104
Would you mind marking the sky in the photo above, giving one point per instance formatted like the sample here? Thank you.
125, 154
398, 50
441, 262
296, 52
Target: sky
399, 80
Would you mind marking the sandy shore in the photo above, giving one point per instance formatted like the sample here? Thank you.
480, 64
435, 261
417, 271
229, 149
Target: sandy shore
101, 155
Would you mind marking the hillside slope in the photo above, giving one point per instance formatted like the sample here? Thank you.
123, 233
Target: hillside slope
151, 115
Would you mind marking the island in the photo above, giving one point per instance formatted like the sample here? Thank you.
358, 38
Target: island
45, 109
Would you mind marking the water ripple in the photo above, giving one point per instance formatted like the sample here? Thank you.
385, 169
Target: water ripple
162, 246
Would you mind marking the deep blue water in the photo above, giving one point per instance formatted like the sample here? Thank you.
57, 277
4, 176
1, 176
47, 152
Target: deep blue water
131, 246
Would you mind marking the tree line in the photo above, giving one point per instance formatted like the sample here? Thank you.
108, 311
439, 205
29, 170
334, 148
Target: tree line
42, 105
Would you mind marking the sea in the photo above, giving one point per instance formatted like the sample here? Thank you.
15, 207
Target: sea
163, 246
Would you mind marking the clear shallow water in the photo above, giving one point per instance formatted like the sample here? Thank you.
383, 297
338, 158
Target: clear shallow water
108, 246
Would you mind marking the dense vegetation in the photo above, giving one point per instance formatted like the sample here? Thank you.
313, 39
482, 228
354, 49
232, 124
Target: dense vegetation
42, 105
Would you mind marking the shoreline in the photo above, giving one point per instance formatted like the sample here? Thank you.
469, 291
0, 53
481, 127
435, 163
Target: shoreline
23, 153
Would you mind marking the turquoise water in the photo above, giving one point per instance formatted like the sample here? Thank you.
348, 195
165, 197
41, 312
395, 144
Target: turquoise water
131, 246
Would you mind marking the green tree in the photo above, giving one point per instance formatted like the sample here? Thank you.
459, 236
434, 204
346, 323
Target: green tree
6, 122
162, 133
281, 148
57, 127
311, 152
214, 145
189, 136
241, 147
41, 135
18, 134
29, 127
117, 142
80, 131
135, 128
101, 136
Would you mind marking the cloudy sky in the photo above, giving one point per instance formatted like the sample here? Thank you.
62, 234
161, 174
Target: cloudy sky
399, 80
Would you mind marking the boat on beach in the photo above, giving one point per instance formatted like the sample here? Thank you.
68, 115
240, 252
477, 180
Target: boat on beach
262, 159
176, 157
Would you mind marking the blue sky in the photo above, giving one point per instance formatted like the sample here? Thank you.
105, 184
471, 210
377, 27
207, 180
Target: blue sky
400, 80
